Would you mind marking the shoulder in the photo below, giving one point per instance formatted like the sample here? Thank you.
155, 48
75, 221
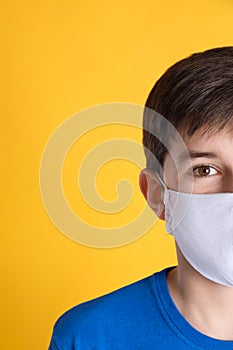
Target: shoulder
106, 317
103, 307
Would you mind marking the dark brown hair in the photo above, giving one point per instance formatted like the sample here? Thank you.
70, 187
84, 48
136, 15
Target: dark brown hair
194, 93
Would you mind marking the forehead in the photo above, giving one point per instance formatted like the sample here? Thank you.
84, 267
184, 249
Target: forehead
214, 139
215, 145
203, 147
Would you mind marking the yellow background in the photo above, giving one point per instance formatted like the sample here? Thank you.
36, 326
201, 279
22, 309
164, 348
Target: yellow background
59, 57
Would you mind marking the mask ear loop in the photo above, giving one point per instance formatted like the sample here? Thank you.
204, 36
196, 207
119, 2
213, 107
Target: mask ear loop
164, 187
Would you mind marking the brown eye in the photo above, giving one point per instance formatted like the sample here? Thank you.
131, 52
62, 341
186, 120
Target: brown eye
204, 170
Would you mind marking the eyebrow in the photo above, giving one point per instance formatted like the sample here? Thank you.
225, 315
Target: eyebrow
195, 154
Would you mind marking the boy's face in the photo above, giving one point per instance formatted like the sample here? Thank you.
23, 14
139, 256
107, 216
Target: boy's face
211, 170
212, 163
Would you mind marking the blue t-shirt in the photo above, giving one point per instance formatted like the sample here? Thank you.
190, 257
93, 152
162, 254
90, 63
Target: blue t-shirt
141, 316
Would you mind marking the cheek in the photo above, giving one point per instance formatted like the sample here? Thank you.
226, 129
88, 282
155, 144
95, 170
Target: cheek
170, 173
177, 179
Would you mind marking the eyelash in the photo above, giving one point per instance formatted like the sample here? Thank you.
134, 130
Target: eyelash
200, 166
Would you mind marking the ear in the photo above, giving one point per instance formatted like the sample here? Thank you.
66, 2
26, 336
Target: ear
152, 191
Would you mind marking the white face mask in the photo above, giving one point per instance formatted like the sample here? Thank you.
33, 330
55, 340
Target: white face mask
202, 225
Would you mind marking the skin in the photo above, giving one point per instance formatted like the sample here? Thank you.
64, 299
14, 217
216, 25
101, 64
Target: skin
206, 305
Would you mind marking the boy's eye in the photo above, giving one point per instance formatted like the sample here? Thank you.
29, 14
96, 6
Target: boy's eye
204, 171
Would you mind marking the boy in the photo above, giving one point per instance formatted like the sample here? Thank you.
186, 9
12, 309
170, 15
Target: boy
189, 306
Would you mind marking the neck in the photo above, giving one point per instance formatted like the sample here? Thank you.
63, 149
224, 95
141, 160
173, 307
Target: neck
206, 305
